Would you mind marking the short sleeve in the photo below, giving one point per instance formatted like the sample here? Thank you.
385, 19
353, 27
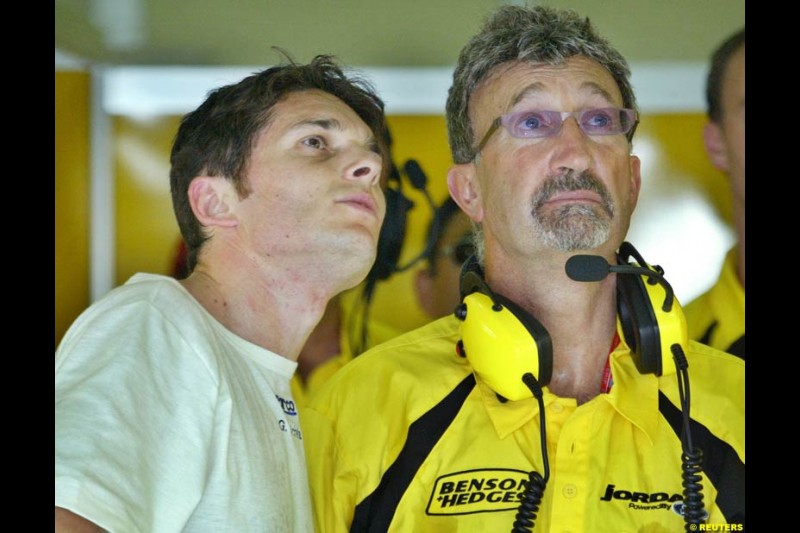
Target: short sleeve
134, 409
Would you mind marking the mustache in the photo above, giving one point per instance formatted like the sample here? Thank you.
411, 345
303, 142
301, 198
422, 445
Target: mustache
573, 181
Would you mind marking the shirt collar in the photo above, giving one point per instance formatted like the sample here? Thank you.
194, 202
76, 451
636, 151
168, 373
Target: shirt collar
634, 396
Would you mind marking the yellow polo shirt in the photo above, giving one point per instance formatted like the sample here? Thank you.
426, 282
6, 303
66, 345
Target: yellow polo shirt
716, 318
404, 439
378, 333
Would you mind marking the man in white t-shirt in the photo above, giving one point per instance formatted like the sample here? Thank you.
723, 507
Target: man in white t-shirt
173, 408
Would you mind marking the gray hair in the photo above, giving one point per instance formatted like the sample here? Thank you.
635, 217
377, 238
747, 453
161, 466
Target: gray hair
536, 34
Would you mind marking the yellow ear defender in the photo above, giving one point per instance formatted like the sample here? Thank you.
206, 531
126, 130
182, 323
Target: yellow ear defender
650, 328
501, 340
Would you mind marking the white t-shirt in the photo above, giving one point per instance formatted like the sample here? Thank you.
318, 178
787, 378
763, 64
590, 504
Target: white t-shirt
166, 421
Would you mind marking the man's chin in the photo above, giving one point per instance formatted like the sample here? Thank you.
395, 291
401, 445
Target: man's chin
577, 237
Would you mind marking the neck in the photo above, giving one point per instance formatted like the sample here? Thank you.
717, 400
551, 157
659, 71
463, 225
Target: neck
579, 316
324, 341
272, 311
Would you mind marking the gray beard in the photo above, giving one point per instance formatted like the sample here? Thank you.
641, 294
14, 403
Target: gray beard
576, 226
573, 227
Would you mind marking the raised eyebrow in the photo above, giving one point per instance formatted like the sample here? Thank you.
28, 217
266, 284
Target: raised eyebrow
595, 88
533, 88
538, 87
324, 123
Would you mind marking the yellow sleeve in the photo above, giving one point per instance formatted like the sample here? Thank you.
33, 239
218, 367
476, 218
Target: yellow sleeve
331, 500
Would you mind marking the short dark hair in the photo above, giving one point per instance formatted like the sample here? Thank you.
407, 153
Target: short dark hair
538, 34
716, 74
217, 138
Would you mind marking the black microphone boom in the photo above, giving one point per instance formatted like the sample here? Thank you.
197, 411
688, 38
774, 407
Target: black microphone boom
415, 174
595, 268
419, 180
587, 268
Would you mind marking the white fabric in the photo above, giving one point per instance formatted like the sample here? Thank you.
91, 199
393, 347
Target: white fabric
166, 421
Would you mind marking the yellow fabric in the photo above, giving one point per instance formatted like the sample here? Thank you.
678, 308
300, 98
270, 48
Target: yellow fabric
617, 445
378, 333
722, 305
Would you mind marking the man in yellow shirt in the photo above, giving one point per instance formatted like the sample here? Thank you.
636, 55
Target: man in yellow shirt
556, 397
716, 318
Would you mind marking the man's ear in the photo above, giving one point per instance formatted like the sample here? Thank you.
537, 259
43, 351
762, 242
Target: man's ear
464, 189
715, 146
636, 179
213, 201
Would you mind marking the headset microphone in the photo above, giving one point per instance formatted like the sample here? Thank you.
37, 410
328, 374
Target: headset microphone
417, 177
419, 181
650, 332
587, 268
513, 354
649, 329
596, 268
392, 237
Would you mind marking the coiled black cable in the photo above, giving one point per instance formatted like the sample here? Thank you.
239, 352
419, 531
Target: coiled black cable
532, 497
694, 512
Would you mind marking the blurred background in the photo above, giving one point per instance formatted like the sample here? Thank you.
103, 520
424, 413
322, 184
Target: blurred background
127, 70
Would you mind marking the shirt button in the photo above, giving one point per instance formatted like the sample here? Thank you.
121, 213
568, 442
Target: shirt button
569, 491
556, 407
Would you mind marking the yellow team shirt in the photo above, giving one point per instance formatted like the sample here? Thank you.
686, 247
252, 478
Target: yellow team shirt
378, 333
406, 438
716, 318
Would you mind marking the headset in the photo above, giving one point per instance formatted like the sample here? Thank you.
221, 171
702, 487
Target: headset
512, 352
391, 239
393, 229
503, 341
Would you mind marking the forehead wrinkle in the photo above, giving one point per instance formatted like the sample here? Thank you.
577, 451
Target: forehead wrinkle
324, 123
539, 87
529, 90
595, 88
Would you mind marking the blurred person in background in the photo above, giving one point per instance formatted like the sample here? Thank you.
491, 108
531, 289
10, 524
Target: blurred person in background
449, 244
716, 317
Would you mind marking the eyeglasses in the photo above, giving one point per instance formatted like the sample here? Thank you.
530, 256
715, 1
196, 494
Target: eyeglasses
459, 252
537, 123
